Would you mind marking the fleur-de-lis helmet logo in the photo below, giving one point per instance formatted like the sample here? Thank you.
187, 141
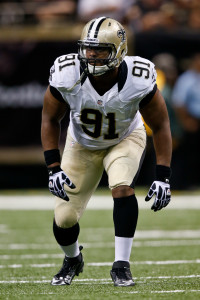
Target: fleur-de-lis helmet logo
122, 34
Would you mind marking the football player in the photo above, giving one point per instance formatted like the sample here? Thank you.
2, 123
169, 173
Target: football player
105, 94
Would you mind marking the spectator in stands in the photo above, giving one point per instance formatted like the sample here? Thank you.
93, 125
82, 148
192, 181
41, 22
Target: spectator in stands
194, 19
186, 100
139, 15
37, 11
115, 9
167, 73
151, 15
186, 96
56, 11
11, 12
148, 15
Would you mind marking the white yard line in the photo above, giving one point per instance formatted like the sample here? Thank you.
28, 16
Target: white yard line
157, 292
28, 202
136, 244
102, 279
3, 228
96, 264
172, 234
98, 232
108, 281
165, 262
114, 292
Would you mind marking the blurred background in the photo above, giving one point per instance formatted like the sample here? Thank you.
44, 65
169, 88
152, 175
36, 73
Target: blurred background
33, 33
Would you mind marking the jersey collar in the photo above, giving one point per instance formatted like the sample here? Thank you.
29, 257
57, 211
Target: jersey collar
122, 75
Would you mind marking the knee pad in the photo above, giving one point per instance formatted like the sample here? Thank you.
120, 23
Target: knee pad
66, 236
125, 215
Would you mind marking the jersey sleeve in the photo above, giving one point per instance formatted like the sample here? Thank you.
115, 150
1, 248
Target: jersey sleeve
64, 72
143, 76
148, 97
56, 94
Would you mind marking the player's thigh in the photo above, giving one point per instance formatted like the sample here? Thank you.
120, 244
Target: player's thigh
84, 168
123, 161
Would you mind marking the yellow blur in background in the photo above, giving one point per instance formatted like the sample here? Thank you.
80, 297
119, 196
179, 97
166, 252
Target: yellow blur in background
160, 83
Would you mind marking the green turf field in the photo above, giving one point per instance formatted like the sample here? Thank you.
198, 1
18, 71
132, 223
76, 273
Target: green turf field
165, 260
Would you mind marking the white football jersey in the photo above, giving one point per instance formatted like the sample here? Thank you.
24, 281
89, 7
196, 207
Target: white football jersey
96, 121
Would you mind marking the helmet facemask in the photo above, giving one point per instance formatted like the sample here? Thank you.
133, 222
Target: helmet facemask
97, 66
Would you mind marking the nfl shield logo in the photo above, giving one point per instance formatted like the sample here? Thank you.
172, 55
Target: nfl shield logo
100, 102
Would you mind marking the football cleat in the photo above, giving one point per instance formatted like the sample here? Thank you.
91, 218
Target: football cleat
121, 274
71, 267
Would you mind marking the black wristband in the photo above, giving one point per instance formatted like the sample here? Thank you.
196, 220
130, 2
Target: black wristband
54, 170
51, 156
163, 173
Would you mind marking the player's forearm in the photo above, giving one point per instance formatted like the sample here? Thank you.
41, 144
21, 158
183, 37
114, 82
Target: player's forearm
163, 146
50, 135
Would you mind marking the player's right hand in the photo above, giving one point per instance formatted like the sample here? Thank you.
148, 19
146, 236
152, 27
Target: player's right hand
57, 179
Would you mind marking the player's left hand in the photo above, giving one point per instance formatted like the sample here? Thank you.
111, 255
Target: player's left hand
162, 193
57, 179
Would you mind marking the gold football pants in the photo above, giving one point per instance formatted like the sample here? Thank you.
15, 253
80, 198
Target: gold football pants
85, 167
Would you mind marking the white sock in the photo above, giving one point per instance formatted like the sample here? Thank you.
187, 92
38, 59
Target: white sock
71, 250
123, 247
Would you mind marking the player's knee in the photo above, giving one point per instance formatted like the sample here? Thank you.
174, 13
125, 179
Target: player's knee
65, 217
122, 191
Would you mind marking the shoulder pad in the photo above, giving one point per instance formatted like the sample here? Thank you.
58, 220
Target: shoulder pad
65, 71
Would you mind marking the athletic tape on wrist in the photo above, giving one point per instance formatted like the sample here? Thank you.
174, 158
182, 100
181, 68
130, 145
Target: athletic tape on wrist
51, 156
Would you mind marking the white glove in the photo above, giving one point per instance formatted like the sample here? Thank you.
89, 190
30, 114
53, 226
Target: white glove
162, 193
57, 179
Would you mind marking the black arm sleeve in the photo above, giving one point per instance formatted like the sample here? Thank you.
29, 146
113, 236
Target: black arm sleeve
56, 94
148, 97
